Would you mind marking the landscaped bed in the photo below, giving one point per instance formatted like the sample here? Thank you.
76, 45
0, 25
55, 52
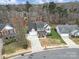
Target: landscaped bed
52, 39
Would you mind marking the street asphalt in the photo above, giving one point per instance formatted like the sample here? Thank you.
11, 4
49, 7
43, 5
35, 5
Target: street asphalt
65, 53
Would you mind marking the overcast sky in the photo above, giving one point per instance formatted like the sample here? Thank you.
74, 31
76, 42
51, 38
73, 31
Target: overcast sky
33, 1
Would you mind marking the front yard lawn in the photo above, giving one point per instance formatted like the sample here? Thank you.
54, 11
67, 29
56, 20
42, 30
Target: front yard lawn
54, 36
13, 47
76, 40
10, 48
52, 39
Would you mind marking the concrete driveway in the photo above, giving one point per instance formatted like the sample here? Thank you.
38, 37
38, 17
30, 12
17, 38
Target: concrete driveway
69, 42
35, 43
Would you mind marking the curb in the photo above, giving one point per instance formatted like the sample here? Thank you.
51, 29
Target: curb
29, 51
16, 54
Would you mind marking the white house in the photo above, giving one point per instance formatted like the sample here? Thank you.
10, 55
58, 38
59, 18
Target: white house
47, 28
41, 27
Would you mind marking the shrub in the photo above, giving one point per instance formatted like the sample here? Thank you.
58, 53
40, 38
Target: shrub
25, 46
9, 40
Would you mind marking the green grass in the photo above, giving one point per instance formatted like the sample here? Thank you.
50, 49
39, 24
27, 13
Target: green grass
55, 36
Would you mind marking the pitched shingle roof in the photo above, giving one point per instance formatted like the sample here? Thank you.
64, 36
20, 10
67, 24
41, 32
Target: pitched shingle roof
39, 26
32, 26
2, 25
67, 28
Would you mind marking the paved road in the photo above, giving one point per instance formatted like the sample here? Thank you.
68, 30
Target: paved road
69, 42
1, 46
67, 53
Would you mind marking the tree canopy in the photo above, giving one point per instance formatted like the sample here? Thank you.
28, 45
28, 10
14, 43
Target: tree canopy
52, 7
28, 5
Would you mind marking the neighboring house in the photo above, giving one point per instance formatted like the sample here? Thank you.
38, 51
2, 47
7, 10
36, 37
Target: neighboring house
1, 27
7, 30
41, 27
65, 30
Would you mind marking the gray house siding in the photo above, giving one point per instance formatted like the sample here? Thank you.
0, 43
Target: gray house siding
39, 27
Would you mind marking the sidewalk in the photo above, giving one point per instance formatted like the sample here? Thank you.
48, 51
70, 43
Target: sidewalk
1, 46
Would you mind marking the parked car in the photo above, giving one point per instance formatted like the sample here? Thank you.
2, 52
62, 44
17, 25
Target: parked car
74, 33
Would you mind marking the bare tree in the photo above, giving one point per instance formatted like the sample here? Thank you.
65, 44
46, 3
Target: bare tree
20, 34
